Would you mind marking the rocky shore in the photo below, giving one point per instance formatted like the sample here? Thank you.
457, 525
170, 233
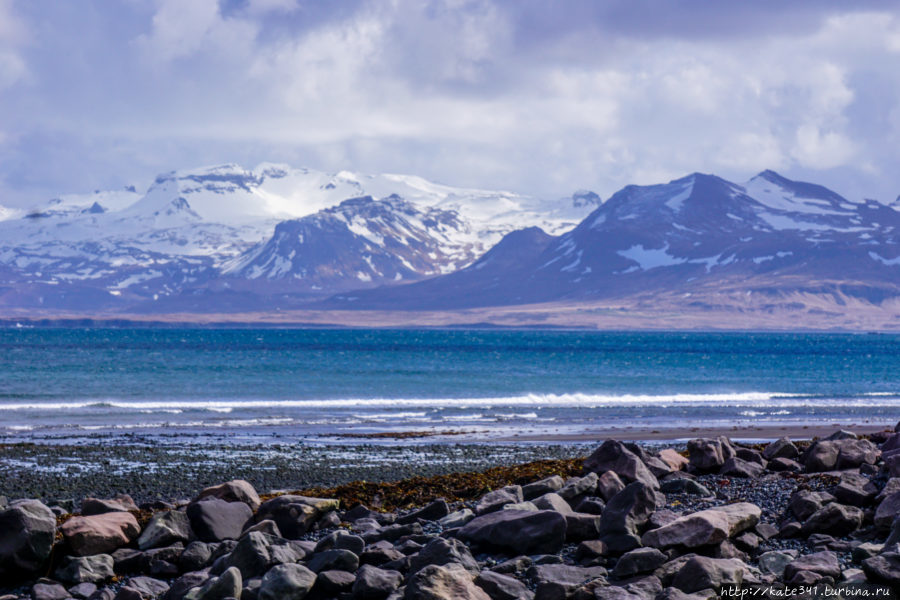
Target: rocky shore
714, 519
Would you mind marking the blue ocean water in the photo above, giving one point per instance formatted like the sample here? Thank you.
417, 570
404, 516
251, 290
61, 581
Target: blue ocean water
492, 383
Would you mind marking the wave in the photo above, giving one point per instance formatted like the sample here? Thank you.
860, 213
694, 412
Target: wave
745, 399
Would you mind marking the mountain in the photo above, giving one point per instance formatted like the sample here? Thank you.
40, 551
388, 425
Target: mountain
225, 230
699, 235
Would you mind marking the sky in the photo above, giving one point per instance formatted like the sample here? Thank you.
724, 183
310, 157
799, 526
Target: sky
542, 98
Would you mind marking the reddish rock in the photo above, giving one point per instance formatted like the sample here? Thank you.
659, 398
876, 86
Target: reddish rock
100, 534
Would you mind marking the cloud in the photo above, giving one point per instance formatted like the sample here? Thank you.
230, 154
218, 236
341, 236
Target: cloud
538, 97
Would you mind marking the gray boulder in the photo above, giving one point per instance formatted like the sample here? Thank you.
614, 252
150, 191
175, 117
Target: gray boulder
295, 515
701, 573
449, 582
236, 490
887, 511
503, 587
711, 526
707, 455
81, 569
578, 486
440, 551
333, 560
781, 448
855, 489
684, 486
228, 585
430, 512
373, 583
625, 515
498, 498
616, 457
552, 501
456, 519
543, 531
833, 519
608, 485
824, 564
544, 486
48, 590
774, 562
27, 530
286, 582
640, 560
214, 520
341, 540
884, 568
804, 503
164, 529
738, 467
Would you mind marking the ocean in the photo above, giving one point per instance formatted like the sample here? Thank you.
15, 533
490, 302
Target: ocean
66, 383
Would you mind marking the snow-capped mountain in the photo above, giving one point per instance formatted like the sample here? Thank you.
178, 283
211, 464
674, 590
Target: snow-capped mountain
225, 227
699, 232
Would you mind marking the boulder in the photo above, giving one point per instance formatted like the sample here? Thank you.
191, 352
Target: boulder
214, 520
615, 456
560, 581
341, 540
295, 515
640, 560
884, 568
707, 455
503, 587
48, 590
591, 505
855, 453
456, 519
100, 534
195, 556
544, 486
498, 498
543, 531
431, 512
236, 490
372, 583
582, 526
579, 486
228, 585
684, 486
164, 529
833, 519
738, 467
887, 511
95, 506
27, 530
83, 591
608, 485
251, 556
333, 560
147, 588
286, 582
332, 584
705, 527
450, 582
780, 464
828, 455
552, 501
440, 551
774, 562
701, 573
781, 448
625, 515
673, 459
804, 503
824, 564
81, 569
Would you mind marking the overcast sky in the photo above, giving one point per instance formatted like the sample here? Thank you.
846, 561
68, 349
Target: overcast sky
528, 95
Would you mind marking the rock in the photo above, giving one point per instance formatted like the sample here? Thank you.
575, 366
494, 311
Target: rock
503, 587
48, 591
440, 551
641, 560
552, 501
824, 564
393, 532
778, 465
560, 581
81, 569
333, 560
228, 585
884, 568
332, 584
287, 582
147, 588
887, 511
675, 461
295, 515
251, 556
165, 528
866, 550
833, 519
700, 573
582, 526
214, 520
95, 506
27, 530
236, 490
615, 456
431, 512
513, 565
544, 486
498, 498
707, 455
457, 519
608, 485
590, 550
891, 487
781, 448
83, 591
380, 553
340, 540
181, 586
804, 502
774, 562
892, 464
821, 456
520, 506
738, 467
684, 486
543, 531
267, 526
625, 515
705, 527
450, 582
591, 505
100, 534
828, 455
578, 486
196, 556
373, 583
